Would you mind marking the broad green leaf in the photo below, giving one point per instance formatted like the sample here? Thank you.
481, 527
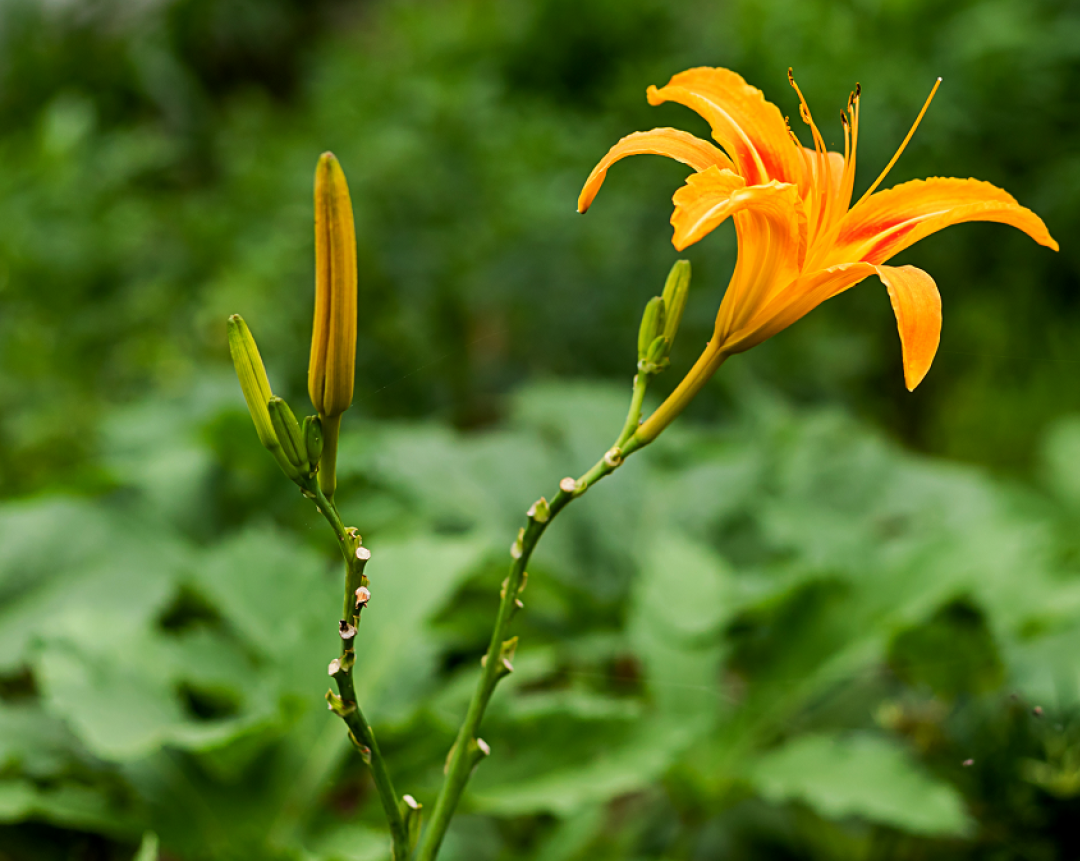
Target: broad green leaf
600, 770
350, 843
682, 596
410, 582
69, 805
863, 776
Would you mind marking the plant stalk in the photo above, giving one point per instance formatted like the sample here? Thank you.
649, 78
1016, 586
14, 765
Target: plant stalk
469, 748
360, 730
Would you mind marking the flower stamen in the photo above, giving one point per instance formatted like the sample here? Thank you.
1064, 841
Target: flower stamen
820, 205
903, 145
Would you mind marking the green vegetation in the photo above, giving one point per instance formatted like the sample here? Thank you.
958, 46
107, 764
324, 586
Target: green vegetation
814, 620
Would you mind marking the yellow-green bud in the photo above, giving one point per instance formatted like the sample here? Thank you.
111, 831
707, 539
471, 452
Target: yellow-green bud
253, 381
652, 324
288, 434
658, 352
333, 339
676, 289
313, 440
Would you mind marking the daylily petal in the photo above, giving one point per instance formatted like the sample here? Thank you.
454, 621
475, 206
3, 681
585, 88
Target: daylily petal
917, 305
679, 145
823, 192
794, 301
710, 197
749, 128
890, 221
770, 224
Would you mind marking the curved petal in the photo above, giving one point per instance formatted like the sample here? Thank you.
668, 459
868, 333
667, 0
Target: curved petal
770, 224
748, 127
795, 301
710, 197
917, 305
679, 145
890, 221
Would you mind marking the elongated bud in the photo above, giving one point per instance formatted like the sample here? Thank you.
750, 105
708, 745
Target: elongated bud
288, 433
652, 324
676, 289
256, 389
313, 440
333, 339
253, 381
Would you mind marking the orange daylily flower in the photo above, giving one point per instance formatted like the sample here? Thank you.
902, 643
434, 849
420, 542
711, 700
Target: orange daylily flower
800, 239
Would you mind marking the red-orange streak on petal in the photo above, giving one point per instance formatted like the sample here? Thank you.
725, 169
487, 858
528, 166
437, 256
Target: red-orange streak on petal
901, 216
890, 243
751, 129
679, 145
917, 305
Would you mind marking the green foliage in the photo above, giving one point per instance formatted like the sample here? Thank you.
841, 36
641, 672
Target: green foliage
750, 591
776, 636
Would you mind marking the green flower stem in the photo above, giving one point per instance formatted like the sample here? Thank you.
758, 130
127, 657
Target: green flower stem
468, 747
641, 383
328, 463
702, 371
349, 708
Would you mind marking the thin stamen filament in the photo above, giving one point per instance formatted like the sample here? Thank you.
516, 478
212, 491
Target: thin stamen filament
903, 145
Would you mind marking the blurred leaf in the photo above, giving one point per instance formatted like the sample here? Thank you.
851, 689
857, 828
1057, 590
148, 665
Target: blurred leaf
953, 654
351, 843
864, 776
583, 767
69, 805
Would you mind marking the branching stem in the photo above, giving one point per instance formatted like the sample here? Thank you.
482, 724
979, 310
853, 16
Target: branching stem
469, 749
349, 709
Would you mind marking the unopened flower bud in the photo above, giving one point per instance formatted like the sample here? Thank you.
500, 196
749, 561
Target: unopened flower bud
288, 433
676, 289
313, 440
652, 324
256, 388
333, 339
252, 375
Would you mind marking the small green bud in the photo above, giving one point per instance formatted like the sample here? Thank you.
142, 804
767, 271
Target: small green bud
658, 351
313, 440
676, 289
288, 433
253, 382
652, 324
256, 388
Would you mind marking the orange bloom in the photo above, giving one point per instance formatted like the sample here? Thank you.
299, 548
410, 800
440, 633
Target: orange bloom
800, 239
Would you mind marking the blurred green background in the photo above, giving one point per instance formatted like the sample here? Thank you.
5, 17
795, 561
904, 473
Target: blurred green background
822, 618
